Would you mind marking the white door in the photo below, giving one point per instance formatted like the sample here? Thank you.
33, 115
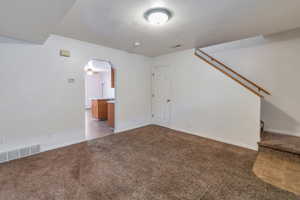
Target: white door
161, 96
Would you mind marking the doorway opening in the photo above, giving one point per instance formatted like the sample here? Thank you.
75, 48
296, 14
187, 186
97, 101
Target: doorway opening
99, 99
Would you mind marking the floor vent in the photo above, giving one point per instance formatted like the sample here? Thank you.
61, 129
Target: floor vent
19, 153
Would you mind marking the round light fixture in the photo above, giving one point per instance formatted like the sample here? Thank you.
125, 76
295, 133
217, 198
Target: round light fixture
157, 16
136, 44
90, 72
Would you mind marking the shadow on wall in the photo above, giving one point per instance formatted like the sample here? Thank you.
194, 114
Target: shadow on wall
7, 40
251, 42
284, 36
278, 119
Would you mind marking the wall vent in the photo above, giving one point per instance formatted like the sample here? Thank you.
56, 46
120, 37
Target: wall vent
19, 153
3, 157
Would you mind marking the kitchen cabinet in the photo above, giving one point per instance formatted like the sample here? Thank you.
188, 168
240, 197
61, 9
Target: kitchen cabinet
111, 114
99, 109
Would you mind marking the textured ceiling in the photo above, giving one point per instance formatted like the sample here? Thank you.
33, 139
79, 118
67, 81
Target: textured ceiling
31, 20
196, 23
119, 23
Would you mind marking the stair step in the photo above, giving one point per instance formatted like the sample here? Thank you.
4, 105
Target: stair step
281, 142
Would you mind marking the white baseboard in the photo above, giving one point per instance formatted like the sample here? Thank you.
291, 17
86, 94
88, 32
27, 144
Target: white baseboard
247, 146
285, 132
61, 145
77, 141
132, 127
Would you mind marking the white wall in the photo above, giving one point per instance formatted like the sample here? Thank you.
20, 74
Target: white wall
93, 88
39, 106
205, 102
272, 62
108, 92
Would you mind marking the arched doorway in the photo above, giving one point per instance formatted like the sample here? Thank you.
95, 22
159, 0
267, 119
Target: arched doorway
99, 99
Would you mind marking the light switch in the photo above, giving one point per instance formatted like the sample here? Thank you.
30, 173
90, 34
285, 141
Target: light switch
71, 80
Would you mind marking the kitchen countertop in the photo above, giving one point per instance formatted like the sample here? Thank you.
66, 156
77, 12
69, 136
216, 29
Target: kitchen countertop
101, 99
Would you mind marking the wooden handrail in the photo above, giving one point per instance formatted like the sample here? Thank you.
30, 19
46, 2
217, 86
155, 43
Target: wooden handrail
227, 74
236, 73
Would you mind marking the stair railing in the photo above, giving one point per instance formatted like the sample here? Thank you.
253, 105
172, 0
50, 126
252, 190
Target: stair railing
248, 84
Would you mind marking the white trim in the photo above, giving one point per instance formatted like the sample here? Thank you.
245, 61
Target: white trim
133, 127
285, 132
45, 148
247, 146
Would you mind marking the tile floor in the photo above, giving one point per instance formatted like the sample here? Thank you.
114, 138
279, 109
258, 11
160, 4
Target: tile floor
95, 128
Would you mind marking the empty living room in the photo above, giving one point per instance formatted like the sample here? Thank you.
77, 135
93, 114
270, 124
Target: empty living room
149, 100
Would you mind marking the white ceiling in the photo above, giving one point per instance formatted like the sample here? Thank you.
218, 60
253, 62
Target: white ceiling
119, 23
196, 23
31, 20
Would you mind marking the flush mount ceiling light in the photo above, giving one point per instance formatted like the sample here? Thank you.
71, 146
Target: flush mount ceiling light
95, 67
157, 16
136, 44
89, 72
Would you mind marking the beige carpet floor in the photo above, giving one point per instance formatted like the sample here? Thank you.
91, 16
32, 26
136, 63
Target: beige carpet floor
150, 163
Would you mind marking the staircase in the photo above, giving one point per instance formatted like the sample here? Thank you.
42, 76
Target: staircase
278, 159
240, 79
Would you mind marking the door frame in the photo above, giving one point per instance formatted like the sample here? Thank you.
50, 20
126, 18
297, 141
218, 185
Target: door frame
167, 123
